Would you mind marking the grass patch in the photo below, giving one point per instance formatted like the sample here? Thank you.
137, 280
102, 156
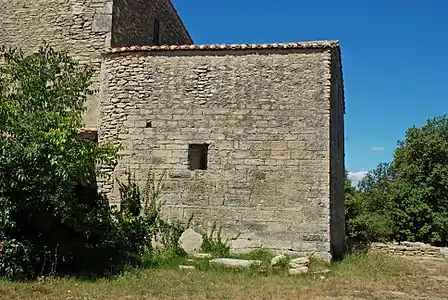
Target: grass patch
263, 255
377, 266
163, 259
361, 276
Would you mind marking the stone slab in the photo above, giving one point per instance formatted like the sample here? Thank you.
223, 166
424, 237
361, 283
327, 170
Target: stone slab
235, 263
297, 271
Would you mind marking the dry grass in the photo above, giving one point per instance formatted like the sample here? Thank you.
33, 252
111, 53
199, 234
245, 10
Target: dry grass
358, 276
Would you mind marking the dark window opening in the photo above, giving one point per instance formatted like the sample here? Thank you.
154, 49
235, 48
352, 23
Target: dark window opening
197, 156
156, 32
148, 124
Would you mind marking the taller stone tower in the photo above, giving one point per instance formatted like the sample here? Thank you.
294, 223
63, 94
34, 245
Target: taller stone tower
85, 27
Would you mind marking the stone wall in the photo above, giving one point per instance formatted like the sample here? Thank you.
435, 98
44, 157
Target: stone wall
133, 23
411, 249
265, 116
84, 28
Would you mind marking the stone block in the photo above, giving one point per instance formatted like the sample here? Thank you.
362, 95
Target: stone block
190, 241
235, 263
298, 271
102, 23
299, 262
276, 260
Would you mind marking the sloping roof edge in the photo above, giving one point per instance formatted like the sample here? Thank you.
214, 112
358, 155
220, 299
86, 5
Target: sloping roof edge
180, 19
217, 47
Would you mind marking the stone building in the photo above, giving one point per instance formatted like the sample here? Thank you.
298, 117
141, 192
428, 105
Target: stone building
249, 136
85, 27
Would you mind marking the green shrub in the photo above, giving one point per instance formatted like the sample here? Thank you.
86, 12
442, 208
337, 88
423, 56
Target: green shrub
214, 244
369, 210
147, 207
52, 221
14, 259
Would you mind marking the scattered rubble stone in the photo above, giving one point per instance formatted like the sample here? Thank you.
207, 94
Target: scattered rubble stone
231, 262
415, 249
202, 255
187, 267
190, 241
297, 271
299, 262
275, 261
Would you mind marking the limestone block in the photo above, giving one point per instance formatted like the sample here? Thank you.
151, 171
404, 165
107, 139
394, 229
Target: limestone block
275, 261
202, 255
102, 23
444, 252
299, 262
235, 263
298, 271
190, 241
188, 268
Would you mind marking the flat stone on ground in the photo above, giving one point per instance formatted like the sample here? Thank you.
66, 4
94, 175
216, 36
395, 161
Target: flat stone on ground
231, 262
187, 267
297, 271
202, 255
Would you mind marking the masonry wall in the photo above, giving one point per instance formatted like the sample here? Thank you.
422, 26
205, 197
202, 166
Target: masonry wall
412, 249
82, 27
266, 118
133, 23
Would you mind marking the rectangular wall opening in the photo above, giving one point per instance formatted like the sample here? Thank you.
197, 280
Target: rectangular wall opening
156, 32
197, 156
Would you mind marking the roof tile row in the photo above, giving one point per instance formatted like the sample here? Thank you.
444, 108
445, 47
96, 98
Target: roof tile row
298, 45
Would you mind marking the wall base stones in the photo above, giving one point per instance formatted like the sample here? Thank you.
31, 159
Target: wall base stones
410, 249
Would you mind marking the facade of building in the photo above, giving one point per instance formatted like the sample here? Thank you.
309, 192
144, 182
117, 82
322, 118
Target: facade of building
86, 27
249, 136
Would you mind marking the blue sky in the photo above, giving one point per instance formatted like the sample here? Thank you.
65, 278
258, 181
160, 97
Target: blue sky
395, 66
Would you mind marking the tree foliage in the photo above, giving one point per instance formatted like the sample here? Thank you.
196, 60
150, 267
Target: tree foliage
409, 196
51, 218
368, 209
421, 189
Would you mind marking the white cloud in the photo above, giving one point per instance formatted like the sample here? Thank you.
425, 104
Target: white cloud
377, 149
356, 177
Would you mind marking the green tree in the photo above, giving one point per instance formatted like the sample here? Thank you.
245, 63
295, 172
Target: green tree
45, 215
421, 188
368, 209
406, 199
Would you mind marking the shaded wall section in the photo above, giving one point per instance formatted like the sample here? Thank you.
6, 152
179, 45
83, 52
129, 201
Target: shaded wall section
134, 23
337, 165
264, 116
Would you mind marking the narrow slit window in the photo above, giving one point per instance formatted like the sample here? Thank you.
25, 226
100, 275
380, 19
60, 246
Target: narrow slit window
156, 32
198, 156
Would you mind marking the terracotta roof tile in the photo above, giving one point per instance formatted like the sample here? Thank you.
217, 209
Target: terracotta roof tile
297, 45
